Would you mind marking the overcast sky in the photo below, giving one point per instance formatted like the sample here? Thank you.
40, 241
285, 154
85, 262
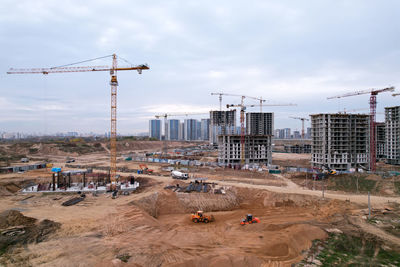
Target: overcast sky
284, 51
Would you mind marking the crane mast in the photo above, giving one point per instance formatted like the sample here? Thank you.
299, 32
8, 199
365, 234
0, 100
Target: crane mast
302, 124
113, 132
113, 83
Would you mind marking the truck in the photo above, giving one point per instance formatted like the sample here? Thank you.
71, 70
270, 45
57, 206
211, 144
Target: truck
179, 175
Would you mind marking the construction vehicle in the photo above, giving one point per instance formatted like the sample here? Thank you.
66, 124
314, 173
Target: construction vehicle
249, 219
145, 169
324, 173
199, 216
179, 175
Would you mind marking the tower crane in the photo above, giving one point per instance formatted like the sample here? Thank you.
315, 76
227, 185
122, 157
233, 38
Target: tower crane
242, 111
114, 83
250, 97
165, 116
396, 94
242, 102
302, 124
372, 107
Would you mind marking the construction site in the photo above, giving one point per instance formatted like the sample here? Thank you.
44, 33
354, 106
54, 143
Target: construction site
206, 193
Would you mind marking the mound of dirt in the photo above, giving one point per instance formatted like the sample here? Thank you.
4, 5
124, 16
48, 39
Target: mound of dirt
148, 204
16, 228
11, 218
8, 189
178, 203
253, 198
208, 202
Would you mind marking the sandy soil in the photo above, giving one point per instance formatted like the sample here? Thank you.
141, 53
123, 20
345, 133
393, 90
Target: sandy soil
153, 226
95, 231
291, 159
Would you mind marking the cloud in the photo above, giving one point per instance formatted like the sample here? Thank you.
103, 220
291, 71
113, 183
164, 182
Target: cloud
287, 51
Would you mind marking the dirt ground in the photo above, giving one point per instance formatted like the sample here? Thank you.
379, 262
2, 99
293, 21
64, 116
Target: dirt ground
99, 229
291, 159
153, 227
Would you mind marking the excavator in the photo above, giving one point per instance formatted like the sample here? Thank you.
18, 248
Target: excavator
249, 219
323, 173
145, 169
199, 216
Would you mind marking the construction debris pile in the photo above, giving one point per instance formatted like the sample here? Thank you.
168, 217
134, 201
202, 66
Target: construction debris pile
200, 187
16, 228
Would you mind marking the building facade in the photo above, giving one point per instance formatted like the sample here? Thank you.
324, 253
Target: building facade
205, 129
340, 141
259, 123
257, 142
296, 135
181, 131
221, 122
286, 133
380, 140
155, 129
392, 126
190, 129
173, 130
257, 149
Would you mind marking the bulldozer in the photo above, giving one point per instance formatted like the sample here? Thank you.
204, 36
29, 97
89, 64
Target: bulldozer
199, 216
249, 219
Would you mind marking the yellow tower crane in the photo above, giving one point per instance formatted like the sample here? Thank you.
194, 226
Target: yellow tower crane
114, 83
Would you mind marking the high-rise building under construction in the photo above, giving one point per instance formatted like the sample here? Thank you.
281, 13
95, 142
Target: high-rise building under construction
340, 141
257, 142
392, 127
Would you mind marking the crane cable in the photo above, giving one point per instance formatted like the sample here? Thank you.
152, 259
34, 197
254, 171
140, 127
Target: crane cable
81, 62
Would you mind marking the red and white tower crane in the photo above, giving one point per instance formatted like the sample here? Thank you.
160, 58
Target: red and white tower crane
372, 108
114, 83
